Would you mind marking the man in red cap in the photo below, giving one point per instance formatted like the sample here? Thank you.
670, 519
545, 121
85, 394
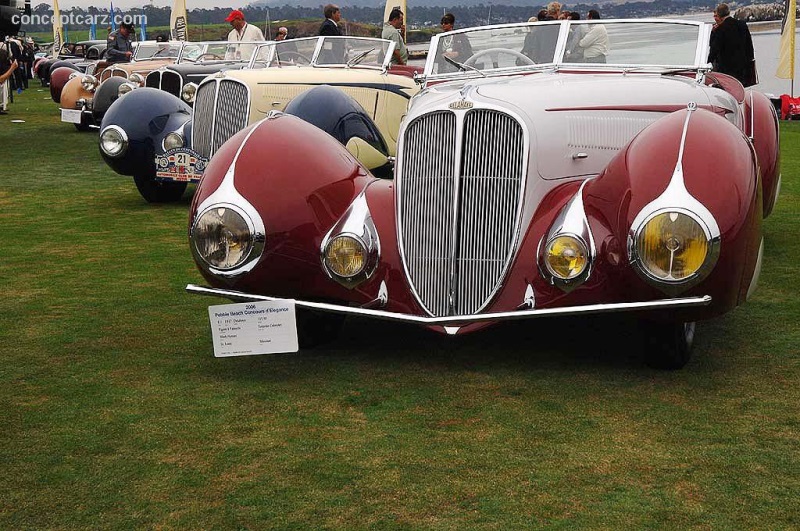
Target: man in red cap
242, 31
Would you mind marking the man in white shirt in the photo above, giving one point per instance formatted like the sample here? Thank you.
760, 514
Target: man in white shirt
595, 43
243, 32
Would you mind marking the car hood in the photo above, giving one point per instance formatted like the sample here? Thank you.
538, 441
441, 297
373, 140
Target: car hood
593, 116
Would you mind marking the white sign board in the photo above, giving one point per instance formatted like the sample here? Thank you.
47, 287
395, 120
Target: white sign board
252, 328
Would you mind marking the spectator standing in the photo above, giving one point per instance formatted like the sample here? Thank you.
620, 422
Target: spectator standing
553, 11
120, 49
595, 42
332, 17
241, 31
456, 47
391, 32
282, 34
6, 71
731, 47
574, 52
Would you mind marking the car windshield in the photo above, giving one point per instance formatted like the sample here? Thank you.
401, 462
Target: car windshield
325, 52
612, 43
204, 52
351, 51
157, 50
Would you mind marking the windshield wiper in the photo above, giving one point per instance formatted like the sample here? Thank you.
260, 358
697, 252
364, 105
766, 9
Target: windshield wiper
461, 66
357, 59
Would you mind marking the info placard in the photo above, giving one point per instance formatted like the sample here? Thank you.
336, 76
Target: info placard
253, 328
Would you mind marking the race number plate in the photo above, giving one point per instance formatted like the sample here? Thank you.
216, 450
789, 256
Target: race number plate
181, 165
71, 116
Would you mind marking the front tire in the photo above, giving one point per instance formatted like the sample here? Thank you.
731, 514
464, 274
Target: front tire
158, 192
668, 346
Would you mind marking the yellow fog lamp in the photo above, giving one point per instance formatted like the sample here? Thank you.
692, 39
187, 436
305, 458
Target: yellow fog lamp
345, 256
566, 257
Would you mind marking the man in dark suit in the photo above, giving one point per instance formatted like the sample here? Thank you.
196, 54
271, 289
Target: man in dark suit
731, 47
332, 17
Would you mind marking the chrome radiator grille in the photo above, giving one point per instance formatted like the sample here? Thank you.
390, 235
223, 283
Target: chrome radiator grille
460, 191
221, 109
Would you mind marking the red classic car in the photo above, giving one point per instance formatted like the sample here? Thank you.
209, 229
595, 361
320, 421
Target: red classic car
530, 181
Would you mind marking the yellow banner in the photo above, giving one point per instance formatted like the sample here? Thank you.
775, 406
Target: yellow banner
58, 29
179, 30
786, 56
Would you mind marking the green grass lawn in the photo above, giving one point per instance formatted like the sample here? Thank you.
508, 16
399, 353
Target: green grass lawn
115, 414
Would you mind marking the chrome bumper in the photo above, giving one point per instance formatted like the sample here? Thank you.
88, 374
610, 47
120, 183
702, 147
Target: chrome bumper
463, 320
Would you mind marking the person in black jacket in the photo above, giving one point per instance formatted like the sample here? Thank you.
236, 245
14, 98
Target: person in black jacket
332, 17
731, 47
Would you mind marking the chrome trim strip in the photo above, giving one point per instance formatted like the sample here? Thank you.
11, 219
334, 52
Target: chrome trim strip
461, 320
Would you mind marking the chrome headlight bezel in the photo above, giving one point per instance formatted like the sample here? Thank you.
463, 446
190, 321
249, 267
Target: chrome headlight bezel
188, 92
173, 140
255, 241
331, 268
583, 248
122, 139
89, 83
646, 271
572, 223
356, 224
125, 88
136, 79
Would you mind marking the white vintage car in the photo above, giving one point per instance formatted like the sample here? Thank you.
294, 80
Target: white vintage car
558, 168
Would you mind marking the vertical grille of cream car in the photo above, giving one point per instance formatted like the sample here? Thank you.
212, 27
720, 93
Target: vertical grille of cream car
221, 109
458, 205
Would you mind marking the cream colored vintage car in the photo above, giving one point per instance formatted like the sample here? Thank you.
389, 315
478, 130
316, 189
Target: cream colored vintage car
231, 100
163, 143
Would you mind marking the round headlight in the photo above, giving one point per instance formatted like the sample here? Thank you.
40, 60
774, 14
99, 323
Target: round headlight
173, 140
125, 88
222, 238
136, 79
113, 141
345, 256
566, 257
188, 93
672, 246
89, 83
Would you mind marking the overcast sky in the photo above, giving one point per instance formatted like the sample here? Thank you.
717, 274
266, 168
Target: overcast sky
126, 4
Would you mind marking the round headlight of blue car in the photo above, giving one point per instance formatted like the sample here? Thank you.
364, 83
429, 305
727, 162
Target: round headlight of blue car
113, 141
